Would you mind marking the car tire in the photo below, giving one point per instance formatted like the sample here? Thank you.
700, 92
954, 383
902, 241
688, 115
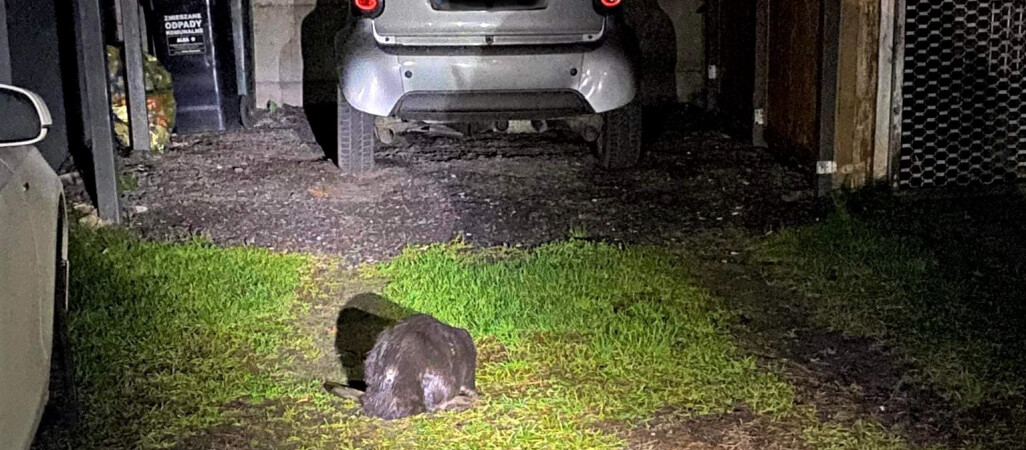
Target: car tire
619, 145
245, 112
356, 140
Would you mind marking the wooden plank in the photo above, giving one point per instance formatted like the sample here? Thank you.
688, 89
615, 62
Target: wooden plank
5, 47
97, 102
856, 91
884, 92
860, 158
134, 81
759, 94
845, 146
831, 37
897, 100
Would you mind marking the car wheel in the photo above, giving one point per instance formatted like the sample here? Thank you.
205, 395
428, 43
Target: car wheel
356, 139
245, 111
619, 146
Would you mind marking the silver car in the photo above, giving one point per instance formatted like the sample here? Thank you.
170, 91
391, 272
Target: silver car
33, 268
494, 61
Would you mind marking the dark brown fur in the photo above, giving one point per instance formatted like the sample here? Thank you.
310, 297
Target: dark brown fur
419, 365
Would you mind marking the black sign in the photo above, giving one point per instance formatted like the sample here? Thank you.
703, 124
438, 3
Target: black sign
185, 34
186, 45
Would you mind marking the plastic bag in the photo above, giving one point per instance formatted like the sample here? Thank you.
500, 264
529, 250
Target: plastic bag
160, 100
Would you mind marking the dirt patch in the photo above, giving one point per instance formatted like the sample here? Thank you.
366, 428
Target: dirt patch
268, 188
490, 351
272, 186
976, 237
738, 430
845, 378
250, 426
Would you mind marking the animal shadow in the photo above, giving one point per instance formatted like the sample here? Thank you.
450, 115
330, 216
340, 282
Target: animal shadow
363, 318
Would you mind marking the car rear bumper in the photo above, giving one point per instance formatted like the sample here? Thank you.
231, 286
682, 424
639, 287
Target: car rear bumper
513, 82
490, 105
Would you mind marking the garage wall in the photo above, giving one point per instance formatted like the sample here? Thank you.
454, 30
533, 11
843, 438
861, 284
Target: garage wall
657, 37
688, 20
293, 47
730, 45
35, 65
278, 73
293, 43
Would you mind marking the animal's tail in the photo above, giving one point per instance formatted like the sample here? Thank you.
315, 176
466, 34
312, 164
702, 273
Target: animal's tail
342, 390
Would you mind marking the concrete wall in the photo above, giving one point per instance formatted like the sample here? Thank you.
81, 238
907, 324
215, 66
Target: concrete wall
689, 25
283, 62
35, 65
657, 38
276, 47
293, 45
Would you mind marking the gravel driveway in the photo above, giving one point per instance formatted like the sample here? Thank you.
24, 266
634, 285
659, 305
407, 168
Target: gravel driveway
272, 186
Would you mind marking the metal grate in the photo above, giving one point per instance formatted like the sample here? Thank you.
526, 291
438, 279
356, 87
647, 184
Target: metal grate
964, 109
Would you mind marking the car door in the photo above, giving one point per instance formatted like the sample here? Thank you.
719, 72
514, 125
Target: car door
28, 216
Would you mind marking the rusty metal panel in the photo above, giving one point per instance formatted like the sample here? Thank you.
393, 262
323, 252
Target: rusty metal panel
793, 87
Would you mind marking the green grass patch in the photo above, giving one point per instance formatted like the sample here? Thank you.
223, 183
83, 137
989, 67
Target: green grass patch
862, 278
127, 182
592, 332
167, 334
861, 435
179, 339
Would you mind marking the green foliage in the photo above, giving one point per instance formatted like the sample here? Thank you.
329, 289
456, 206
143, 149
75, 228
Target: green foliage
167, 334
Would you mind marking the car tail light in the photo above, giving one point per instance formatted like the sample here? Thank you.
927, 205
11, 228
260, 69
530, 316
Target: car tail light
371, 8
608, 6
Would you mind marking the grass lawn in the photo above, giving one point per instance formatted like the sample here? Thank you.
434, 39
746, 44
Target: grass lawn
591, 333
580, 342
941, 286
166, 335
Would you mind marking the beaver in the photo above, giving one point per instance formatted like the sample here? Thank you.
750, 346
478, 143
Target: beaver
419, 365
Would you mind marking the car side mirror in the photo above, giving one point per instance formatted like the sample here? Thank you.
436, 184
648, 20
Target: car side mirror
24, 118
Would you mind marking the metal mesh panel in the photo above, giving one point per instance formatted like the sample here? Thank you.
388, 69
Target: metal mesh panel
964, 110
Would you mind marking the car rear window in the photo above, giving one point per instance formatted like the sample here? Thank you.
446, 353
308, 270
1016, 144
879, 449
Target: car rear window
488, 5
